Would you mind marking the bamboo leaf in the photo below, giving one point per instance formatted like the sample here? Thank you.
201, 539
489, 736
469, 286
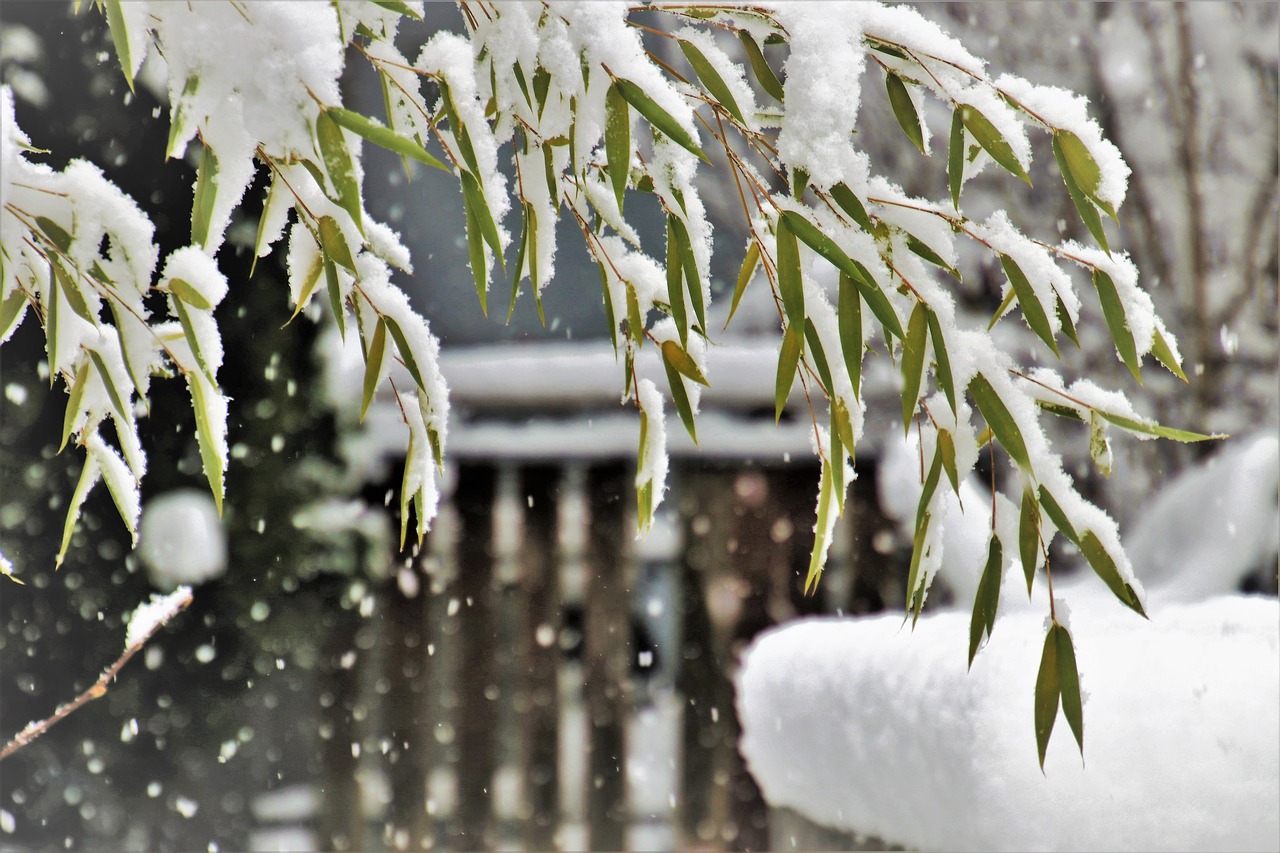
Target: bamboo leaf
335, 296
835, 460
1105, 567
941, 360
193, 341
1117, 323
987, 600
913, 352
788, 361
825, 488
677, 357
1059, 410
1000, 420
1099, 446
1156, 429
635, 323
681, 398
72, 293
406, 354
711, 80
922, 249
1057, 516
1048, 689
383, 137
1084, 207
842, 426
206, 192
338, 165
398, 6
475, 252
790, 282
947, 450
183, 291
73, 402
851, 205
955, 157
617, 141
10, 310
54, 233
917, 553
904, 109
526, 235
373, 366
120, 38
1005, 304
1160, 349
51, 315
205, 435
849, 315
309, 285
1079, 162
1069, 685
1032, 310
689, 266
814, 344
745, 274
929, 487
475, 199
990, 139
764, 74
1068, 326
1029, 536
659, 118
88, 476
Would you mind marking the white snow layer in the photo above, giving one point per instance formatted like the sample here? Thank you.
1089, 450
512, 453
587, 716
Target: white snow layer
148, 617
181, 540
864, 725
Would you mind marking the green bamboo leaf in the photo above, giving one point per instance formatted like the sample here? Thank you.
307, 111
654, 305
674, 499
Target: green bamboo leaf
474, 196
947, 451
51, 314
178, 122
745, 274
955, 157
338, 165
941, 360
1069, 684
929, 487
922, 249
526, 234
825, 488
206, 192
72, 292
635, 323
644, 505
659, 118
1068, 326
183, 291
113, 393
1099, 446
1079, 162
799, 181
541, 86
406, 354
1157, 430
849, 314
54, 233
475, 251
383, 137
120, 38
1048, 689
913, 353
676, 356
88, 476
814, 345
1029, 536
260, 237
189, 333
10, 310
711, 80
1032, 310
790, 282
842, 426
851, 205
987, 600
373, 365
335, 296
308, 285
1160, 349
904, 109
689, 266
1059, 410
1084, 207
1057, 516
759, 65
205, 435
917, 553
835, 461
398, 6
1105, 567
617, 141
825, 246
1005, 304
1000, 420
788, 362
73, 402
990, 139
681, 398
1117, 323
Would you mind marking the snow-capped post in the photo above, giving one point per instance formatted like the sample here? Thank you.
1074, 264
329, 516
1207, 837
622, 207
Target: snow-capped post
594, 119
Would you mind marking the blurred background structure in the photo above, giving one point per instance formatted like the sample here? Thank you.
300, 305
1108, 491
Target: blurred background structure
536, 676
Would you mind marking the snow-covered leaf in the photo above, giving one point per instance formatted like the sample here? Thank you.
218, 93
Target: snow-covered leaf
339, 166
1117, 323
120, 38
384, 137
1105, 567
675, 355
942, 360
1032, 310
680, 397
760, 66
790, 283
711, 80
904, 109
788, 361
88, 476
992, 142
205, 194
657, 117
374, 360
745, 274
849, 312
955, 157
914, 347
1000, 420
1029, 536
76, 395
617, 141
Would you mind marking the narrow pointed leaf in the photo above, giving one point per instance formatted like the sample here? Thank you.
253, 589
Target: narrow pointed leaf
711, 80
825, 488
1029, 536
1000, 420
88, 476
475, 251
309, 285
790, 283
1032, 310
851, 205
1099, 446
635, 323
189, 333
73, 403
677, 357
10, 310
1005, 305
1048, 690
54, 233
406, 354
818, 356
917, 553
904, 109
384, 137
842, 426
335, 296
526, 234
373, 366
835, 462
1157, 430
986, 602
205, 435
764, 73
1069, 685
184, 292
922, 249
1057, 516
990, 139
947, 452
1084, 206
929, 487
475, 200
1105, 567
1079, 162
617, 141
1064, 318
681, 399
1160, 349
1117, 323
913, 352
745, 274
338, 165
659, 118
849, 315
955, 158
788, 361
120, 38
206, 191
71, 291
689, 267
941, 359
